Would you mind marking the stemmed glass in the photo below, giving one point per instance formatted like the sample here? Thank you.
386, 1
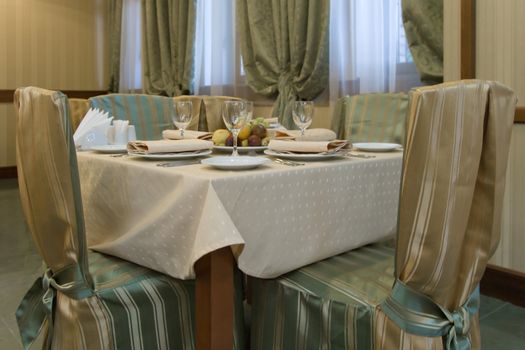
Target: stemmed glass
182, 115
302, 114
236, 114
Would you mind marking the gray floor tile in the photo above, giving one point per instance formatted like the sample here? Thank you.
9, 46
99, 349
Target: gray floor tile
489, 305
504, 329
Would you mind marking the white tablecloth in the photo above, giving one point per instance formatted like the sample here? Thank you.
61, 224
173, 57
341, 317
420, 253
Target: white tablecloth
281, 217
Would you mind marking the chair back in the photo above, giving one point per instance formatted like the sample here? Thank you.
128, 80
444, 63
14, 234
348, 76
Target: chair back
149, 114
196, 102
211, 112
78, 108
455, 161
48, 179
371, 117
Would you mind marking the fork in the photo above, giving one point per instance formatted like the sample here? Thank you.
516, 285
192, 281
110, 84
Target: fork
287, 162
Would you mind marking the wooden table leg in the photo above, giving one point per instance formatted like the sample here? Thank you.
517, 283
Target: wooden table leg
214, 295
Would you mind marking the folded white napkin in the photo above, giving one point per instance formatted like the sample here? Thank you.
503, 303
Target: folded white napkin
168, 146
309, 135
188, 134
306, 146
92, 130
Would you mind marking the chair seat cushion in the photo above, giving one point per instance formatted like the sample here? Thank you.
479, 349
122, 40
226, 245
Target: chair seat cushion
328, 302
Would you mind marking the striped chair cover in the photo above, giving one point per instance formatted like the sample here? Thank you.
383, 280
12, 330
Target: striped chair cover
450, 213
211, 112
88, 300
371, 117
150, 114
78, 108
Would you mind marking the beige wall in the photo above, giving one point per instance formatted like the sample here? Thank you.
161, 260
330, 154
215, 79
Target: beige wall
500, 55
56, 44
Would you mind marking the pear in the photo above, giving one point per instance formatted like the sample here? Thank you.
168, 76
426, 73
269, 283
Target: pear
219, 137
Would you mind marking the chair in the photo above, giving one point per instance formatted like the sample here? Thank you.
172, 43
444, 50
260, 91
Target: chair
371, 117
78, 108
89, 300
423, 294
211, 112
150, 114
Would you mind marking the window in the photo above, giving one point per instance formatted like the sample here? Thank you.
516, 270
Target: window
368, 49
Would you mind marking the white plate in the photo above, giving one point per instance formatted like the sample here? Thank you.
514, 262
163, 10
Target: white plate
235, 163
305, 156
110, 148
240, 149
376, 146
181, 155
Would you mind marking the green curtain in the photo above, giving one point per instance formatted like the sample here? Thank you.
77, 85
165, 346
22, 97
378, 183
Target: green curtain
423, 22
284, 47
115, 25
169, 46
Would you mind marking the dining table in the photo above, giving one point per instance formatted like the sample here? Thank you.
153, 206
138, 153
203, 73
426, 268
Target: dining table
191, 220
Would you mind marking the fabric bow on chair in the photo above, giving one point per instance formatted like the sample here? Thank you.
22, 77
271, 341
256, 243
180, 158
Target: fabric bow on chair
455, 159
89, 300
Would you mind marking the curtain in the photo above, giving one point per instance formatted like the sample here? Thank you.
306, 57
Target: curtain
284, 46
130, 48
368, 49
423, 21
115, 24
216, 57
169, 45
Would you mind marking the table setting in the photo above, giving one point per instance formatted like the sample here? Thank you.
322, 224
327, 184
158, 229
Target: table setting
165, 203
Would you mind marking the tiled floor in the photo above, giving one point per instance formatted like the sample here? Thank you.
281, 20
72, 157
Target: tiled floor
502, 324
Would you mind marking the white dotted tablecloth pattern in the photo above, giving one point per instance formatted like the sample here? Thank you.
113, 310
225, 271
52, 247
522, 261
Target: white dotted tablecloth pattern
283, 217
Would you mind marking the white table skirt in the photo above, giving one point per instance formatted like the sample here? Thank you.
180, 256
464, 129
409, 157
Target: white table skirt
281, 217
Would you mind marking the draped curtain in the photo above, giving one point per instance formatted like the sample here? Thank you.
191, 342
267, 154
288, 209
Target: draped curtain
423, 21
284, 47
169, 45
115, 24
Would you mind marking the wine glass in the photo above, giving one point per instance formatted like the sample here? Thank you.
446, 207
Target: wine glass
182, 115
236, 115
302, 114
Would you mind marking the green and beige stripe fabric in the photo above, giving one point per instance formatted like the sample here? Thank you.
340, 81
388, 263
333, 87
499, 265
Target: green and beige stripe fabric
329, 304
108, 303
455, 160
150, 114
371, 117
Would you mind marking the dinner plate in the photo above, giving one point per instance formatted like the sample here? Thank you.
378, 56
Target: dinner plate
235, 163
240, 149
179, 155
376, 146
305, 156
110, 148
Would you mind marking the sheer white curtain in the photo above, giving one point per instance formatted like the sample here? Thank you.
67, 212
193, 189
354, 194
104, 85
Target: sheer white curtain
367, 47
217, 58
130, 47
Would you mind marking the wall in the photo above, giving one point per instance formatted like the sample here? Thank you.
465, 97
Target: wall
500, 55
51, 44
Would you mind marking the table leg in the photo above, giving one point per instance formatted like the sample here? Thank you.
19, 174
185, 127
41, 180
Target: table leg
214, 295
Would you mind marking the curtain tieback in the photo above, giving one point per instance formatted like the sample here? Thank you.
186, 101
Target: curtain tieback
37, 304
285, 84
416, 313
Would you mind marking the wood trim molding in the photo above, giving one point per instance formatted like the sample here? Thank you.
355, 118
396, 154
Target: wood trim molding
520, 115
503, 283
8, 172
7, 96
468, 39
